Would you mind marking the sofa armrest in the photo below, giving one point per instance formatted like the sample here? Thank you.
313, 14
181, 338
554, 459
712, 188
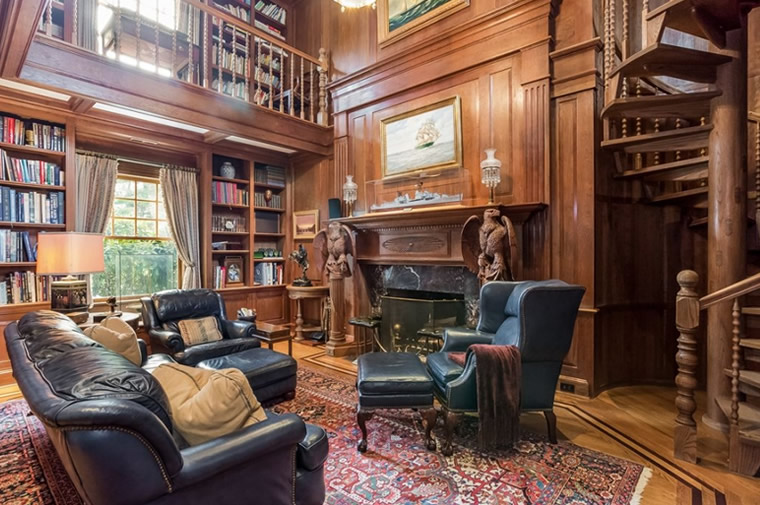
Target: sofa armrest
143, 351
169, 339
313, 449
238, 329
204, 461
459, 339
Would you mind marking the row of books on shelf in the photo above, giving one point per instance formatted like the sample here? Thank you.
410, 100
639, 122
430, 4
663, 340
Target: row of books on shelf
29, 171
19, 131
261, 97
229, 61
275, 202
264, 77
230, 223
228, 192
268, 274
16, 247
220, 277
271, 30
32, 207
237, 89
268, 174
23, 287
238, 11
271, 10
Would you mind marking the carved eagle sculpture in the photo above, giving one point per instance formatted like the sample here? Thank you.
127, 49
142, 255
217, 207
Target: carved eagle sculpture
333, 246
489, 247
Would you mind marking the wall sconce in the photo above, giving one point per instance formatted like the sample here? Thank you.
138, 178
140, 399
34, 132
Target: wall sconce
490, 169
350, 193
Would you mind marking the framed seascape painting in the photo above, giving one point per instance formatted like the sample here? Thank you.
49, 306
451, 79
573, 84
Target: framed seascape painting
398, 18
425, 139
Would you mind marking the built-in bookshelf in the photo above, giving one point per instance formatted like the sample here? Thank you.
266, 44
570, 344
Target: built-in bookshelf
32, 200
269, 183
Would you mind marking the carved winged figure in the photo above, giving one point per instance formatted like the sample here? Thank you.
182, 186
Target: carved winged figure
489, 246
334, 244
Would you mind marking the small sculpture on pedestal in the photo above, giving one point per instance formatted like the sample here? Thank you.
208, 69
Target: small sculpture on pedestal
489, 247
301, 256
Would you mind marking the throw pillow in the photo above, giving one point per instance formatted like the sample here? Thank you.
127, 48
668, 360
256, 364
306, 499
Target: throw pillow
207, 404
115, 334
199, 331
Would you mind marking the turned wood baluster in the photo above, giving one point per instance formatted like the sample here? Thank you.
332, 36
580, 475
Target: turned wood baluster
311, 91
234, 61
282, 79
638, 159
735, 337
157, 39
205, 58
624, 92
322, 115
257, 76
220, 55
75, 27
607, 48
174, 39
190, 63
49, 17
292, 89
687, 323
678, 127
303, 83
247, 68
757, 176
271, 76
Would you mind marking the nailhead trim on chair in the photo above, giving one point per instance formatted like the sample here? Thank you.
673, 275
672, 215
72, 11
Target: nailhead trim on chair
293, 465
134, 434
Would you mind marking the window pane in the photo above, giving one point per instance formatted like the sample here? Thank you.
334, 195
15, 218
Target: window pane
136, 267
161, 211
146, 210
123, 208
146, 228
109, 228
146, 190
124, 227
125, 188
163, 229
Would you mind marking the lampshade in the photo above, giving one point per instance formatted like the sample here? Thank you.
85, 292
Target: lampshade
69, 253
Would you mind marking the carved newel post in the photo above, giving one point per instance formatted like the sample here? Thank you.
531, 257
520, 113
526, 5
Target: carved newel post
336, 246
687, 322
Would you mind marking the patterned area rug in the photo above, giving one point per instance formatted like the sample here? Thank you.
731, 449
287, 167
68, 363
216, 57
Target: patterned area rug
396, 470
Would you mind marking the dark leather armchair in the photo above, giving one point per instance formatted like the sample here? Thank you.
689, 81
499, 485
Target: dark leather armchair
163, 310
536, 316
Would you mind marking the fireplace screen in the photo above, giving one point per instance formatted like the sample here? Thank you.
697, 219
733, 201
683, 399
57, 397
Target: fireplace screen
411, 319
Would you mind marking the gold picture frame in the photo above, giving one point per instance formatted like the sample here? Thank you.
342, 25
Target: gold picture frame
391, 28
422, 140
305, 224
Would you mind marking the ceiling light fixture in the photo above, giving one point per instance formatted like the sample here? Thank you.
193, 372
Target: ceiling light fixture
355, 4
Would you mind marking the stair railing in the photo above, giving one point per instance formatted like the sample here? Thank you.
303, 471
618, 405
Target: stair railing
688, 309
754, 119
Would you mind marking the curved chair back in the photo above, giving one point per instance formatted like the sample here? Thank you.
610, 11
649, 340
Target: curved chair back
163, 310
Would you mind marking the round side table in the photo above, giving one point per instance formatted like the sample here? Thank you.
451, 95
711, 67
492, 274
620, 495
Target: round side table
299, 293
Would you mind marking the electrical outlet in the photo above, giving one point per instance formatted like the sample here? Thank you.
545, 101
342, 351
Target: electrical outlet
568, 388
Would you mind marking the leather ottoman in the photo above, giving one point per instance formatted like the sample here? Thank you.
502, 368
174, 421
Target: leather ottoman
394, 380
272, 375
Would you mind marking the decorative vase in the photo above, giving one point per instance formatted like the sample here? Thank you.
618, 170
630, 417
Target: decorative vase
227, 170
350, 193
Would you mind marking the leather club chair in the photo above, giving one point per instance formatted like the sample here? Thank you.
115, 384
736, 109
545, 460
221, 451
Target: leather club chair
109, 421
536, 316
163, 310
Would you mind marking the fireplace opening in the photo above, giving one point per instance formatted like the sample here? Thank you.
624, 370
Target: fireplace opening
412, 319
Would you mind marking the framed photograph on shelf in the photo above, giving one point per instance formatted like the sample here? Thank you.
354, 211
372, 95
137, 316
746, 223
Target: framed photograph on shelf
398, 18
234, 270
305, 224
422, 140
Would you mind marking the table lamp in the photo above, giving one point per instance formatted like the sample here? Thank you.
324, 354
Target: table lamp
69, 254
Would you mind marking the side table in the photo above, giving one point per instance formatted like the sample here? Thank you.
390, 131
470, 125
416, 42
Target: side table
273, 333
299, 293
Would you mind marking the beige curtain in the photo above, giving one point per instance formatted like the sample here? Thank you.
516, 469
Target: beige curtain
180, 189
96, 181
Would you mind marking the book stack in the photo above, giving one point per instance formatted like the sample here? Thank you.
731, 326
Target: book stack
230, 61
238, 11
13, 131
236, 89
32, 207
220, 276
267, 174
29, 171
271, 10
260, 201
268, 274
264, 77
228, 192
271, 30
15, 247
219, 223
23, 287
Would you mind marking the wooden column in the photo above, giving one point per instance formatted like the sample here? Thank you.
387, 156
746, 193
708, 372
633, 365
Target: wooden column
687, 322
337, 344
727, 210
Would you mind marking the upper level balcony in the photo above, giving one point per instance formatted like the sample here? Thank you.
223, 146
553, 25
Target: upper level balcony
219, 64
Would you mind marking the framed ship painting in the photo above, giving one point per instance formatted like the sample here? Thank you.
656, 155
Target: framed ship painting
422, 140
398, 18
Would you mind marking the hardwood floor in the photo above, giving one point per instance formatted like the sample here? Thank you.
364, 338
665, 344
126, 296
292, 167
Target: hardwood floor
634, 423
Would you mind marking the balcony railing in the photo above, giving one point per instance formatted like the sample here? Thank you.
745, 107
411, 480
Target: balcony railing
201, 45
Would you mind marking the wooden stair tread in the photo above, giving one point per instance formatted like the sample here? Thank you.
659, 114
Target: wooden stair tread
749, 377
681, 105
748, 413
673, 61
669, 198
752, 343
683, 139
679, 16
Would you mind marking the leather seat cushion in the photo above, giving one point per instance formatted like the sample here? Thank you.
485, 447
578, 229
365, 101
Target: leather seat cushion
442, 368
392, 373
261, 367
203, 352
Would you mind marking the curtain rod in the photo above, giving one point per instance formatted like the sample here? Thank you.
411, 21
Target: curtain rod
137, 162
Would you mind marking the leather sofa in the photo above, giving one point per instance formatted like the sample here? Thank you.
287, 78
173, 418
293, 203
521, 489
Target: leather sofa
110, 422
163, 310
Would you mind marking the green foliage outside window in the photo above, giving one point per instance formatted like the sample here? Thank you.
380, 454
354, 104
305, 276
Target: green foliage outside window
136, 267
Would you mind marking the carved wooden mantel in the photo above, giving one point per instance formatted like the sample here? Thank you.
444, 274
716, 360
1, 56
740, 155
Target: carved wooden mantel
430, 236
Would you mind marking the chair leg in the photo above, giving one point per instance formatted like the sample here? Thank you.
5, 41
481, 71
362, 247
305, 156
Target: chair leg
429, 416
362, 416
551, 425
450, 421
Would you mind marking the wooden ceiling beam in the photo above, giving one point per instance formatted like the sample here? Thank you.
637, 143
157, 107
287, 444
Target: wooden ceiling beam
18, 25
80, 105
